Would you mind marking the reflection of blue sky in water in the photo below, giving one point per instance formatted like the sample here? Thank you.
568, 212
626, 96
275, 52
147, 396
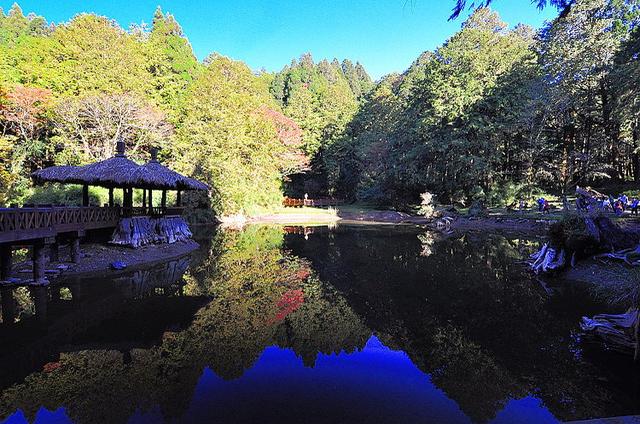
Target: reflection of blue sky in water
375, 384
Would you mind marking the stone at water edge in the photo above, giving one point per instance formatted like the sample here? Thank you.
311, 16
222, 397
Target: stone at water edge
118, 265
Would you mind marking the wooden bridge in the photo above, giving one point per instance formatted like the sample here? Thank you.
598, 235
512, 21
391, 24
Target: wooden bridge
45, 226
291, 202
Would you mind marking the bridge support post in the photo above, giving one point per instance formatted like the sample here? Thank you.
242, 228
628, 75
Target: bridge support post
54, 252
39, 264
76, 292
75, 249
5, 262
40, 297
8, 305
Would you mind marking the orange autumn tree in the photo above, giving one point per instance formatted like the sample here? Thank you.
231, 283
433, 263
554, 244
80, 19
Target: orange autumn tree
24, 137
25, 119
6, 177
293, 159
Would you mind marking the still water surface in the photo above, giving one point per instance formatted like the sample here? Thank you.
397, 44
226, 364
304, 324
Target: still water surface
292, 325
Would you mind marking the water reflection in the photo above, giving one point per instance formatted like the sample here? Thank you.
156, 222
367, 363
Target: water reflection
338, 388
276, 325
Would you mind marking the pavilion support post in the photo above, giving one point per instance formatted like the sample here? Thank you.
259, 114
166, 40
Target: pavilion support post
110, 197
8, 305
179, 198
150, 200
5, 262
127, 200
39, 264
144, 197
85, 195
164, 199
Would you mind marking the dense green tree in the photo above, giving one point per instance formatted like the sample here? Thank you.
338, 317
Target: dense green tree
434, 127
625, 80
577, 54
224, 139
171, 61
318, 97
97, 56
495, 114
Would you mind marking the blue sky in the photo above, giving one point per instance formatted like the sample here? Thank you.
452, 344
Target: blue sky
384, 35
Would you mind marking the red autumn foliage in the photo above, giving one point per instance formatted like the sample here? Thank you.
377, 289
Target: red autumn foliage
289, 302
51, 366
290, 135
25, 110
303, 274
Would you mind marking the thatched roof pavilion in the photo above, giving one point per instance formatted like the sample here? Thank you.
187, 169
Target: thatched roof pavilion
121, 172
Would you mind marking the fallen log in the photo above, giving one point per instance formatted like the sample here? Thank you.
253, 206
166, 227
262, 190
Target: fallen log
548, 259
579, 236
618, 333
630, 256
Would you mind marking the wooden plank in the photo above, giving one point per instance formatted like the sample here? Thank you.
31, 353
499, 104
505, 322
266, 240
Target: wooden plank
25, 235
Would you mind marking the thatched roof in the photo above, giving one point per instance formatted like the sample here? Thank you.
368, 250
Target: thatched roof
163, 175
57, 174
119, 171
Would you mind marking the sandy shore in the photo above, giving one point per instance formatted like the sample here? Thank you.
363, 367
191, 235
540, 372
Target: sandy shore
463, 223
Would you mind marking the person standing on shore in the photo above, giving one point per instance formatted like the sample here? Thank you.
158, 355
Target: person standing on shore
634, 206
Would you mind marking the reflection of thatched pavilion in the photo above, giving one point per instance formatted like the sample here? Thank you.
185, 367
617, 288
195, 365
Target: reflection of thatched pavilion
138, 225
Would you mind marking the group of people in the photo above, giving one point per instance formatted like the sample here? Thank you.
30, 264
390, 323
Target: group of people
610, 204
543, 205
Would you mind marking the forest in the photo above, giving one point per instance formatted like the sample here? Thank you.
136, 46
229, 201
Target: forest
495, 113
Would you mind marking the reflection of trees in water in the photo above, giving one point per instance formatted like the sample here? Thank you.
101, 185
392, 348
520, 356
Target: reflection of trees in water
248, 281
467, 313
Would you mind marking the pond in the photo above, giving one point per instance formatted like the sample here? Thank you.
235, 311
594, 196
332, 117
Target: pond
385, 324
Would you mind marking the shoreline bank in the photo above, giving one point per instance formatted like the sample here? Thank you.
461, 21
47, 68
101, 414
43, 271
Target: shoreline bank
96, 259
380, 217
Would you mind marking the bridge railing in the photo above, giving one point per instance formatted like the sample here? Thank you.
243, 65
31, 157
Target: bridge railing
29, 223
320, 202
55, 217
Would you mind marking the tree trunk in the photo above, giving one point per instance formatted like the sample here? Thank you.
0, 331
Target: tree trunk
635, 156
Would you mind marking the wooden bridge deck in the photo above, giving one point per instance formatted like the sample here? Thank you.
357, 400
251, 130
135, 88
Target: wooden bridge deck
24, 224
